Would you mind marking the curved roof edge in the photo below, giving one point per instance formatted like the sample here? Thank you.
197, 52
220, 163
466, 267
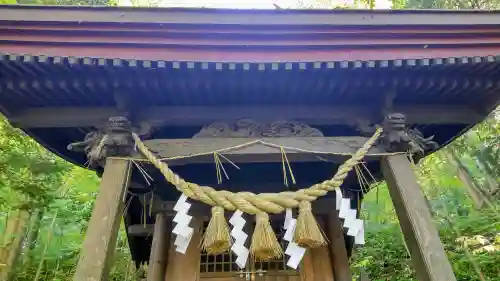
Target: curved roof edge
256, 10
343, 17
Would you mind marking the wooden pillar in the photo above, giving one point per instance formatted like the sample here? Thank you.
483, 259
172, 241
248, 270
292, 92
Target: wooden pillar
315, 266
338, 251
421, 236
186, 267
100, 239
159, 248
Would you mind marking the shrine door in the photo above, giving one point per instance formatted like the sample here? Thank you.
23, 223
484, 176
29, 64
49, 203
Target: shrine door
198, 266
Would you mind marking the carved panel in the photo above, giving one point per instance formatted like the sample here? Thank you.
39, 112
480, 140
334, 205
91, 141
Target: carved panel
248, 128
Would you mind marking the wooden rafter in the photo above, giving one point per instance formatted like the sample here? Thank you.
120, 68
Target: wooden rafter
57, 117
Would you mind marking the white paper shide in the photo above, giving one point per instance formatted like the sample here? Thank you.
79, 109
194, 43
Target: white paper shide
355, 227
238, 222
294, 251
182, 230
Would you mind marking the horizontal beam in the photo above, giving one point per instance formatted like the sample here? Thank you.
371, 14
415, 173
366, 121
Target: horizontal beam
251, 150
57, 117
321, 206
143, 230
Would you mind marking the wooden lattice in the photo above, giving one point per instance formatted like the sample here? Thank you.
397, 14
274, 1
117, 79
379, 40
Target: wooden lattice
225, 263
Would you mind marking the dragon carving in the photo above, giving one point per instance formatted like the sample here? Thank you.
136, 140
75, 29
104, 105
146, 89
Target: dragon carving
114, 140
398, 137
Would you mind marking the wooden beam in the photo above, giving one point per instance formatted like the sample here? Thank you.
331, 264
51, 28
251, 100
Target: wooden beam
144, 230
159, 250
335, 149
338, 251
321, 206
100, 239
421, 236
55, 117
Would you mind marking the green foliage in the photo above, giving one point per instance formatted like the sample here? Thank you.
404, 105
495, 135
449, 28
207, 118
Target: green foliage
29, 174
62, 2
33, 177
385, 256
65, 192
446, 4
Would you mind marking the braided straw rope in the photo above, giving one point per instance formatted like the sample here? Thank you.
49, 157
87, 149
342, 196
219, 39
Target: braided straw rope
257, 203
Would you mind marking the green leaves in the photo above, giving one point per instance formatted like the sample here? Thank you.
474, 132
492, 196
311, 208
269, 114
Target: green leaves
384, 256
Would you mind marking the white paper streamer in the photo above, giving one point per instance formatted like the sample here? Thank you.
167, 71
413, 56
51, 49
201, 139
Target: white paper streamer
350, 218
290, 230
288, 218
182, 230
296, 254
345, 206
360, 238
338, 198
238, 248
293, 250
355, 227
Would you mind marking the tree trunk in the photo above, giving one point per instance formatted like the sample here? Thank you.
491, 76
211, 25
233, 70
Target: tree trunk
491, 183
32, 236
464, 175
12, 242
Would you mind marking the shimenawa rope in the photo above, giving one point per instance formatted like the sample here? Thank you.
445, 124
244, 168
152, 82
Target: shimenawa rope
307, 233
254, 203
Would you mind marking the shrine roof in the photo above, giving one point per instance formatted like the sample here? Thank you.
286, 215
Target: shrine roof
218, 35
65, 70
61, 68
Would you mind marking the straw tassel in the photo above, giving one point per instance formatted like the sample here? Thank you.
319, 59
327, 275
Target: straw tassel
264, 245
217, 238
307, 232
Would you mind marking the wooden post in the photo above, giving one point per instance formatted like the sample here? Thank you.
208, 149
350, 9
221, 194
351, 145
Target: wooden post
159, 248
421, 236
315, 266
338, 251
100, 239
186, 267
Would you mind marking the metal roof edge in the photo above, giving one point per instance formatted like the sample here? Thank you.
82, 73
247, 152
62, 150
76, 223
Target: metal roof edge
105, 14
256, 10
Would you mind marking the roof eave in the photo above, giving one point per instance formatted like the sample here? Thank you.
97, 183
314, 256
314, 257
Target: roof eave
339, 17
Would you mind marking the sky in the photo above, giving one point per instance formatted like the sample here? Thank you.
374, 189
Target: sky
244, 4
